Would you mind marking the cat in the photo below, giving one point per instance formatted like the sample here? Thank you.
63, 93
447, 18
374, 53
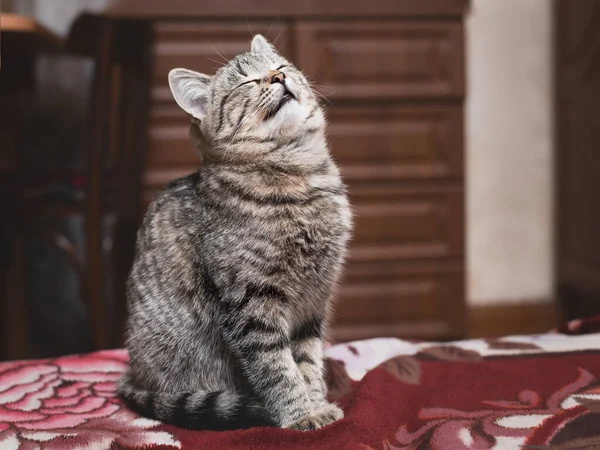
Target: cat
236, 265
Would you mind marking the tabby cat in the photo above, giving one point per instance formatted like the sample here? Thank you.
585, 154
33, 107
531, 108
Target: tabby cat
236, 265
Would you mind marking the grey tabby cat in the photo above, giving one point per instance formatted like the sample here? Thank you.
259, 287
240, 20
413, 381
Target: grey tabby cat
236, 265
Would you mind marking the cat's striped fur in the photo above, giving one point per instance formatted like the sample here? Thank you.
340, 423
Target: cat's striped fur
236, 264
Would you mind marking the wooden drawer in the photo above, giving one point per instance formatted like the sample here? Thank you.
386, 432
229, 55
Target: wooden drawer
383, 60
390, 300
397, 223
395, 142
170, 152
198, 45
169, 143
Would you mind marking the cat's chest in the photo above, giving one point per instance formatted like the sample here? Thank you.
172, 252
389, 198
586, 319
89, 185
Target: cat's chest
309, 228
311, 244
310, 260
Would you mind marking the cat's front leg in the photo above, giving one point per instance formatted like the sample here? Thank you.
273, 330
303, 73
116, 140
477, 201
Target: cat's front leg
307, 350
308, 355
258, 334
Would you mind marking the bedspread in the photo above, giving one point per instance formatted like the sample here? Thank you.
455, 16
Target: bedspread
516, 392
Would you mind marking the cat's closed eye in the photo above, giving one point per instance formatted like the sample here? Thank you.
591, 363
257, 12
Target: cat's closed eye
256, 80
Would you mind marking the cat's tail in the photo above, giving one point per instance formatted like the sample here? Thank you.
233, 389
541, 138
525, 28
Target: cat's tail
200, 410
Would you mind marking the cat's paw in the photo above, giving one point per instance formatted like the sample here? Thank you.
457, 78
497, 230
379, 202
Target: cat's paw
320, 418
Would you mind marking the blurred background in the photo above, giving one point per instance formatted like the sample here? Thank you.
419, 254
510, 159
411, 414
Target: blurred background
467, 131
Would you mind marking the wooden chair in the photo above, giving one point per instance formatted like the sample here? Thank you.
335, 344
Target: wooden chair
117, 147
22, 40
115, 150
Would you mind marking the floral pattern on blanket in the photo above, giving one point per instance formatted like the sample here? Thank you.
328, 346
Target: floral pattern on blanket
70, 403
516, 393
528, 421
503, 423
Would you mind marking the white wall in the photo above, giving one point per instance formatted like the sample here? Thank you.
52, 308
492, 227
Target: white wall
58, 15
509, 151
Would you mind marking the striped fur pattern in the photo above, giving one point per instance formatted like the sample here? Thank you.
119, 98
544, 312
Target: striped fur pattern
236, 264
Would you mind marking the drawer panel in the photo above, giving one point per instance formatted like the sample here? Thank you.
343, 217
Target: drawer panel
169, 143
394, 223
394, 142
398, 302
382, 60
198, 45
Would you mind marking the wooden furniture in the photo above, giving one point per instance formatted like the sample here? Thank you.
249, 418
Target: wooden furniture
394, 74
22, 39
112, 180
577, 46
116, 149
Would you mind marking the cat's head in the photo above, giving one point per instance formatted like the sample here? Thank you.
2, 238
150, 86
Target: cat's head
258, 93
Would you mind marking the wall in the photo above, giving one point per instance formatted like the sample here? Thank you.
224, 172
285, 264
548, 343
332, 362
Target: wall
58, 15
6, 6
509, 151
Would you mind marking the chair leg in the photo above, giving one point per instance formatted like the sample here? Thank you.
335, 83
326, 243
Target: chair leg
123, 254
95, 272
121, 50
14, 297
136, 72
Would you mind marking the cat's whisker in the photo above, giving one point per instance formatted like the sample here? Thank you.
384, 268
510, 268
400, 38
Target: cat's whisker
322, 97
217, 52
315, 88
323, 90
319, 86
275, 41
220, 63
271, 27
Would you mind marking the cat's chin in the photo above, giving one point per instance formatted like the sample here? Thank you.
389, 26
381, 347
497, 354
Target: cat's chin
289, 118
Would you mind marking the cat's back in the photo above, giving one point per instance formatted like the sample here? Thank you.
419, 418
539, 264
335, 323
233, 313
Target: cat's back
166, 241
176, 206
178, 197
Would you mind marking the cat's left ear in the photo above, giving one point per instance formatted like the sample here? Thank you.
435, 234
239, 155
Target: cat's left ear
191, 91
261, 45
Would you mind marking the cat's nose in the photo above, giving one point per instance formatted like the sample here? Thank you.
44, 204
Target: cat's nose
277, 77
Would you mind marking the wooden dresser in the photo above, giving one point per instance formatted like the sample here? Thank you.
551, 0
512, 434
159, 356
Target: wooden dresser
394, 74
577, 157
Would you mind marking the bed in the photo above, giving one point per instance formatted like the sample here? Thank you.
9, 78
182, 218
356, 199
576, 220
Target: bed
536, 391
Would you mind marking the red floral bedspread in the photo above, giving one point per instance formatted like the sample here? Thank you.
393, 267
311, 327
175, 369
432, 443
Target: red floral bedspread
511, 393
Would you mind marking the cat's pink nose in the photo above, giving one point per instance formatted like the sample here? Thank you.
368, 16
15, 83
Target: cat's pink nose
277, 77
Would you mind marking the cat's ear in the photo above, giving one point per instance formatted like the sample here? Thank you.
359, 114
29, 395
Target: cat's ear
261, 45
191, 91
